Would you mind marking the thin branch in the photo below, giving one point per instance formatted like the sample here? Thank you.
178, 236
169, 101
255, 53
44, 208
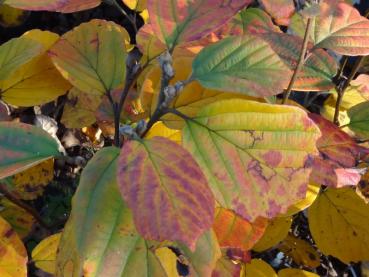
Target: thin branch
11, 197
300, 62
341, 88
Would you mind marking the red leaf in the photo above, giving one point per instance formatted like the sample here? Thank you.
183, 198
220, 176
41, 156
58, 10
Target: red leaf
339, 155
166, 190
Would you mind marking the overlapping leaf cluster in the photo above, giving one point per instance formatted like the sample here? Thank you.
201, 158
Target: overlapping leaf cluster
206, 167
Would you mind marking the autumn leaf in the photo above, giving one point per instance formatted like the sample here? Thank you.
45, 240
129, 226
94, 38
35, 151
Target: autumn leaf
100, 231
275, 232
44, 254
12, 17
339, 224
339, 156
251, 154
338, 27
280, 10
258, 268
235, 232
359, 119
13, 257
38, 81
92, 56
159, 129
294, 272
65, 6
244, 64
136, 5
197, 18
23, 146
166, 190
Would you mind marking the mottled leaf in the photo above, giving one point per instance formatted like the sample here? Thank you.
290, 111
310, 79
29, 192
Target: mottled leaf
92, 56
338, 27
177, 22
359, 119
280, 10
339, 155
38, 81
15, 53
244, 64
300, 251
13, 254
251, 154
166, 190
23, 146
100, 238
236, 232
20, 220
339, 224
294, 272
258, 268
275, 232
44, 254
65, 6
319, 68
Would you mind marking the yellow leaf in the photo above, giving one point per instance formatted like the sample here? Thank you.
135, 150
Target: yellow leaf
311, 195
293, 272
258, 268
339, 224
29, 184
300, 251
159, 129
13, 254
145, 16
191, 99
168, 260
136, 5
11, 17
44, 254
38, 81
275, 232
20, 220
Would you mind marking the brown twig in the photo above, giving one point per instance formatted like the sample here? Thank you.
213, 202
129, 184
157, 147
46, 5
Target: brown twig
300, 62
11, 197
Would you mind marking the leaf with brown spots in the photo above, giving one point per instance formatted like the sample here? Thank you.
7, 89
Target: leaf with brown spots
13, 254
300, 251
251, 154
336, 166
100, 238
236, 232
166, 190
23, 146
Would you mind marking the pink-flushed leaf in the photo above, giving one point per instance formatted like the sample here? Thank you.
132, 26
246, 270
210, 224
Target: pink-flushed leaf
257, 157
244, 64
280, 10
226, 268
166, 190
338, 27
339, 156
23, 146
180, 21
361, 83
149, 44
92, 56
64, 6
319, 68
236, 232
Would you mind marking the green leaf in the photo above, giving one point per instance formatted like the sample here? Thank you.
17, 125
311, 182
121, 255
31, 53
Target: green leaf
92, 56
257, 157
166, 190
23, 146
100, 238
359, 119
15, 53
244, 64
